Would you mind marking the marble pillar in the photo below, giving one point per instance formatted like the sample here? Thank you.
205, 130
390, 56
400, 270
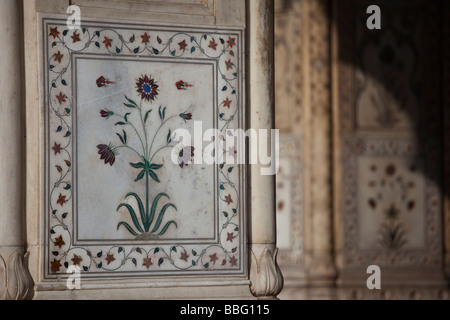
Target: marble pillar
15, 280
265, 275
317, 155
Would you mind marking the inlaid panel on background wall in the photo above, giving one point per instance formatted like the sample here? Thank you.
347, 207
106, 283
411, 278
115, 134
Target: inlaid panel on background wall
122, 196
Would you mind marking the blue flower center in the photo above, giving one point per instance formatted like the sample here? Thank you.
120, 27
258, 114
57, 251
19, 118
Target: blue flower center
146, 88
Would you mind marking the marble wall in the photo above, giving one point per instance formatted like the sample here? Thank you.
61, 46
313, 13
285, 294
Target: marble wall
110, 189
373, 97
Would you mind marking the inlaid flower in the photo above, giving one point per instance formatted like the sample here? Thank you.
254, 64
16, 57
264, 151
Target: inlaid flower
147, 88
233, 261
76, 260
108, 42
106, 113
145, 38
147, 262
61, 200
58, 56
228, 199
185, 156
181, 85
184, 256
57, 148
230, 236
213, 45
75, 37
55, 265
227, 103
61, 98
110, 258
59, 242
54, 32
186, 116
213, 258
229, 64
231, 42
182, 45
390, 170
103, 82
108, 153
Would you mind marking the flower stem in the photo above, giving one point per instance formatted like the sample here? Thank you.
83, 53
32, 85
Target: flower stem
157, 131
146, 226
145, 131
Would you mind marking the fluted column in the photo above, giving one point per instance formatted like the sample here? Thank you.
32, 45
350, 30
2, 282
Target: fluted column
265, 275
15, 280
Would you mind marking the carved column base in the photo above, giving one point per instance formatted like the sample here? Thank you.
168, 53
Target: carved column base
15, 279
265, 275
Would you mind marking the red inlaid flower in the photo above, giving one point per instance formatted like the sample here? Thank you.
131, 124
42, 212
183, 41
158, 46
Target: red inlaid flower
186, 116
228, 199
54, 32
229, 64
184, 256
213, 258
185, 156
55, 265
231, 42
390, 170
227, 102
107, 153
106, 113
57, 148
147, 88
182, 45
59, 242
230, 237
147, 262
76, 260
233, 261
145, 38
75, 37
108, 42
58, 56
213, 45
110, 258
103, 82
61, 98
181, 85
61, 200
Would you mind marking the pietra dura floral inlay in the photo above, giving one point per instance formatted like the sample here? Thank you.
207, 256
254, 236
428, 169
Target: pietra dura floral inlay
116, 203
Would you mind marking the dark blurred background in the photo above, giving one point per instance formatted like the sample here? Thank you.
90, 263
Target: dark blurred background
364, 152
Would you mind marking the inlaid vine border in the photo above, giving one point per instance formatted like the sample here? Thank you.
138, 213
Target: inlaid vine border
61, 42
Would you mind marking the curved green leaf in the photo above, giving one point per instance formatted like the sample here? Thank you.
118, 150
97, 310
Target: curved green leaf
161, 216
155, 166
131, 101
133, 216
154, 205
141, 209
153, 175
167, 227
126, 225
140, 176
139, 165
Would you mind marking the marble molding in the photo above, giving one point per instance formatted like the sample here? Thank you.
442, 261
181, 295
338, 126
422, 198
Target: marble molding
15, 279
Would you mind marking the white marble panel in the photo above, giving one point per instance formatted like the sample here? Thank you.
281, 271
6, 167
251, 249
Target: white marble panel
116, 204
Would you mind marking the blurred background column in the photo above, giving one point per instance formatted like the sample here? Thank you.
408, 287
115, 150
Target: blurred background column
15, 280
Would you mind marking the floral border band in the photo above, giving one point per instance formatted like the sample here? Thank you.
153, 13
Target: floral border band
144, 258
